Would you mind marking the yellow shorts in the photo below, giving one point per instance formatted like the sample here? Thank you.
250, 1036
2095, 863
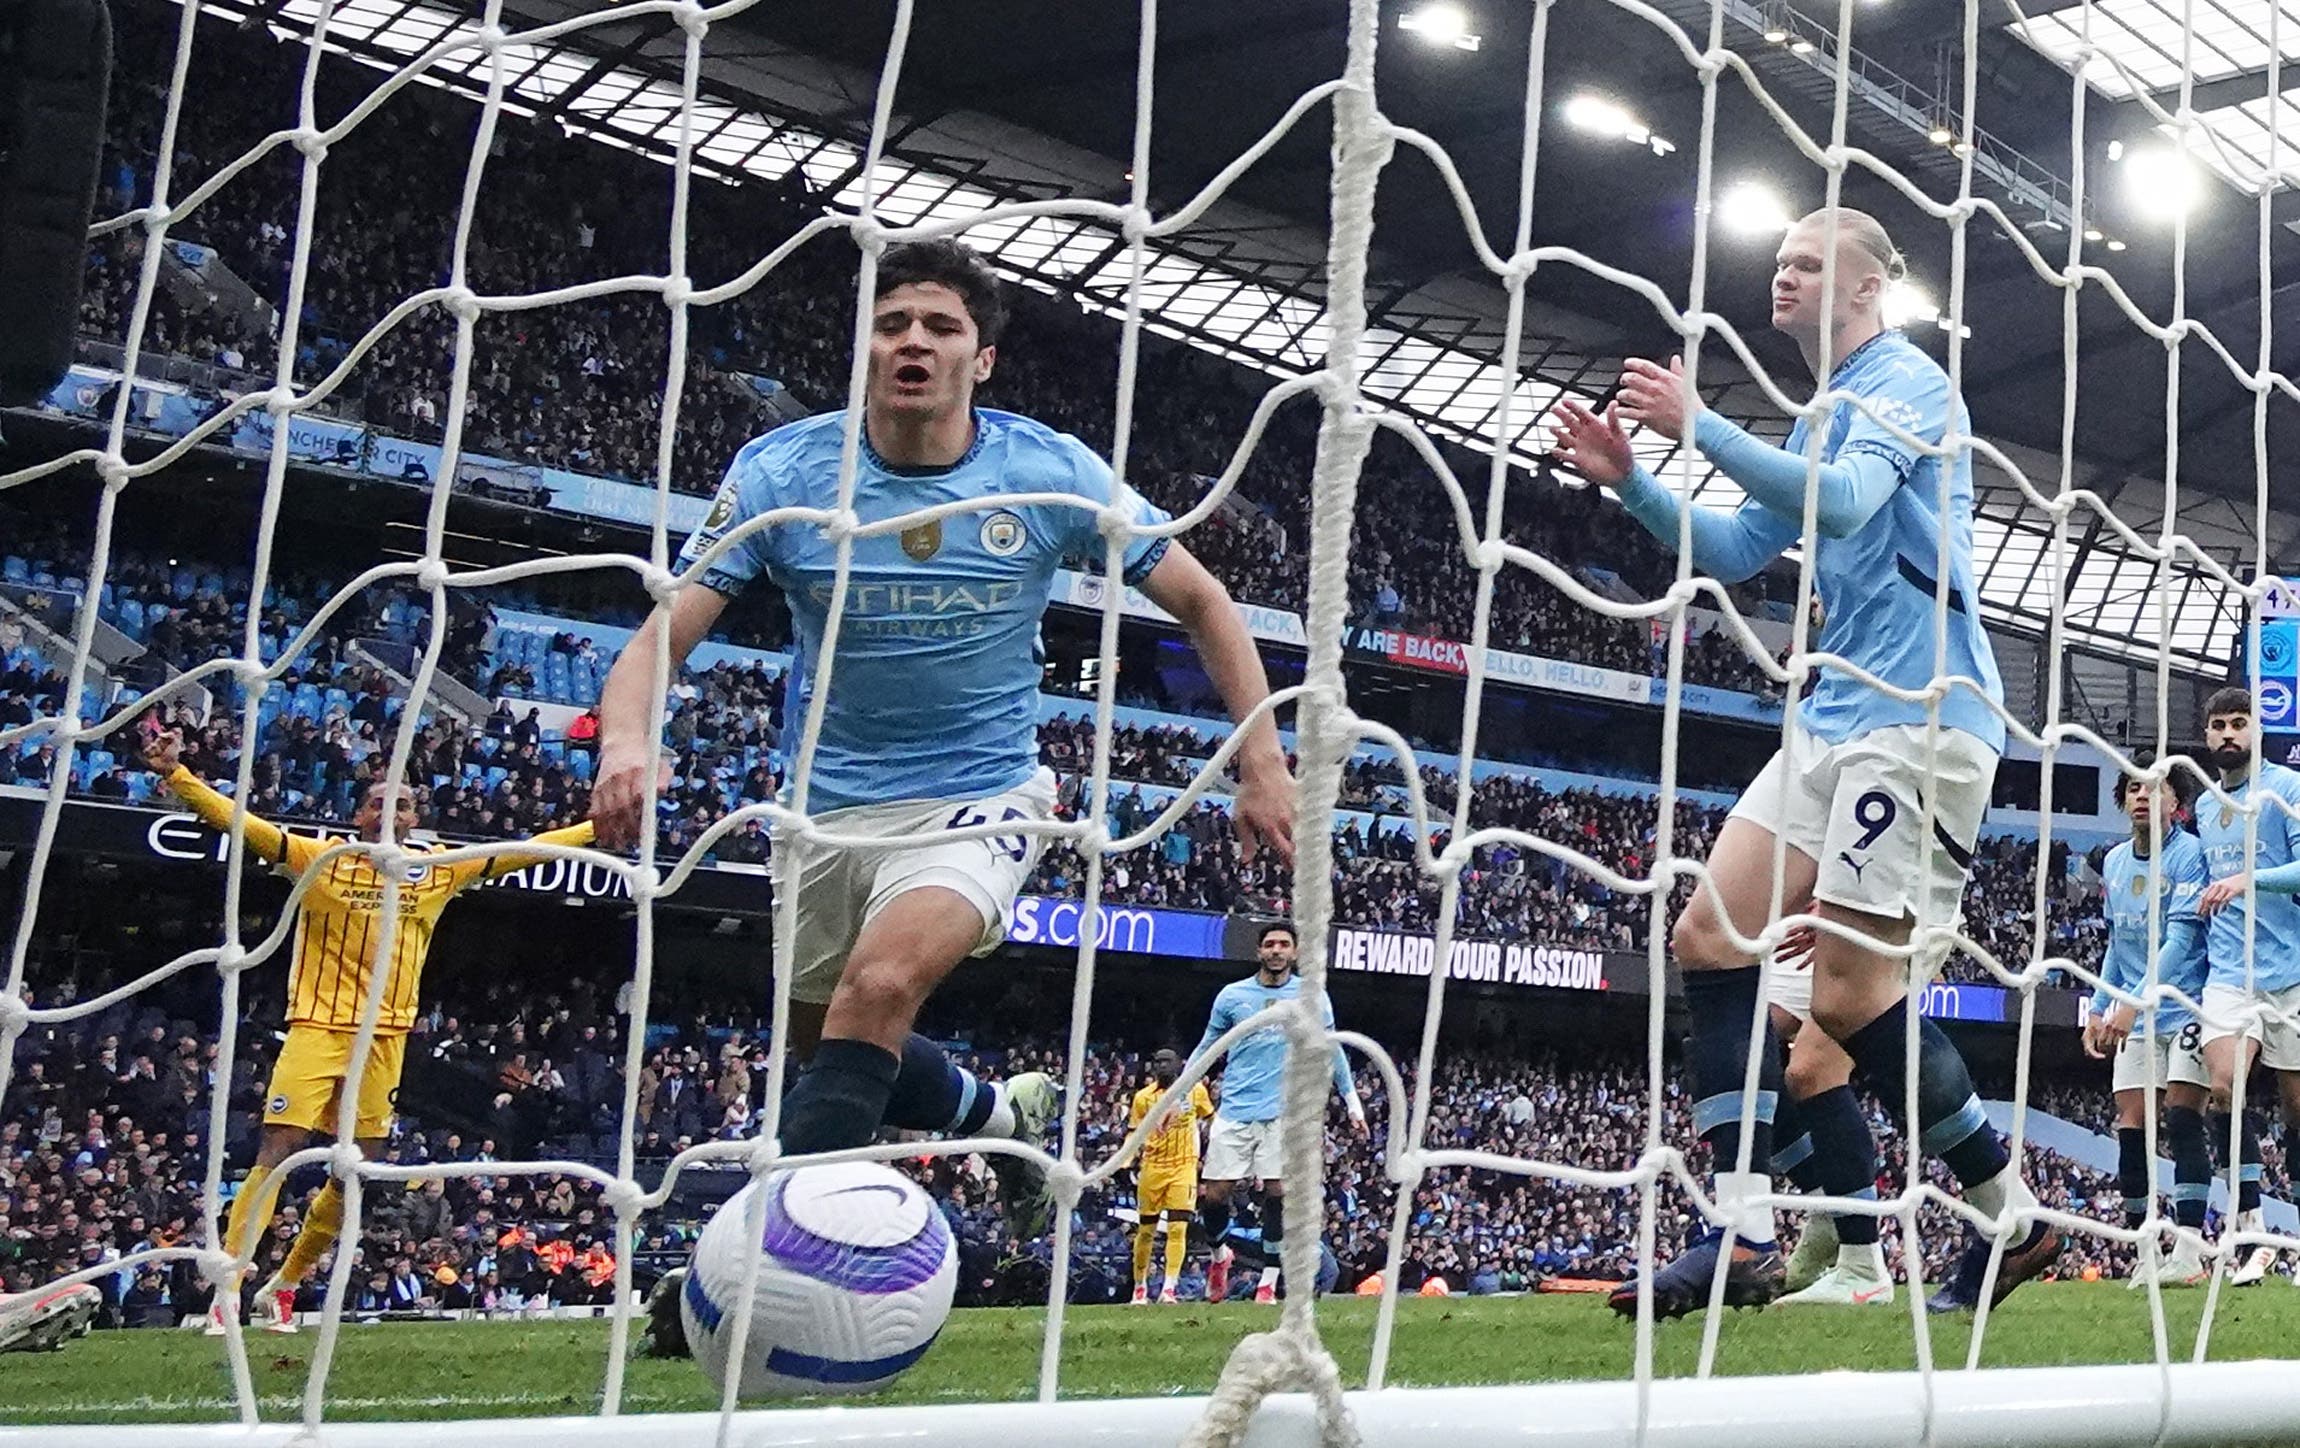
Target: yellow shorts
1167, 1191
308, 1082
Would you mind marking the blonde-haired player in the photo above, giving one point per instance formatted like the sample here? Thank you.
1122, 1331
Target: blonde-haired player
1871, 811
1166, 1193
335, 948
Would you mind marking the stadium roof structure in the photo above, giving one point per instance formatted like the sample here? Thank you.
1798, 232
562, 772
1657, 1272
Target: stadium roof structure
1006, 100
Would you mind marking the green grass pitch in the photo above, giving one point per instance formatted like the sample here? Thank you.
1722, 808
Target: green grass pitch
479, 1370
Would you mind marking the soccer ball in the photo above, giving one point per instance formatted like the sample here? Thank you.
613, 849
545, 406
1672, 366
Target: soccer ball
857, 1281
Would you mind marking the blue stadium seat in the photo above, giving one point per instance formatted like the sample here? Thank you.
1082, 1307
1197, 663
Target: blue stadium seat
338, 698
42, 578
15, 569
131, 621
496, 774
182, 584
579, 764
139, 786
471, 769
307, 700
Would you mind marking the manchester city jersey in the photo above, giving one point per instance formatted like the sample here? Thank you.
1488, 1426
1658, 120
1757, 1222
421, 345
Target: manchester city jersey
934, 684
1877, 587
2276, 943
2180, 878
1254, 1072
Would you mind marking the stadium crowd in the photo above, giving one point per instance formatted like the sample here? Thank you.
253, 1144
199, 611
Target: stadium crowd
326, 729
577, 386
104, 1130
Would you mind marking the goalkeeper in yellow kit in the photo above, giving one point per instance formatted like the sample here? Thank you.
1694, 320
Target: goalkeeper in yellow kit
1167, 1191
336, 942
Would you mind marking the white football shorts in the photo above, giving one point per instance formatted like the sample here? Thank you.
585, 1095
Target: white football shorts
2171, 1056
842, 888
1857, 809
2226, 1009
1789, 985
1242, 1151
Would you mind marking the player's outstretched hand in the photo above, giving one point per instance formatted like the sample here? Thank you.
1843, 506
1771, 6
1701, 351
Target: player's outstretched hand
164, 752
1264, 814
1594, 446
2221, 894
1654, 396
619, 798
2106, 1034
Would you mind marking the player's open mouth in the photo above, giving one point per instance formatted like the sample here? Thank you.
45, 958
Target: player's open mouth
912, 374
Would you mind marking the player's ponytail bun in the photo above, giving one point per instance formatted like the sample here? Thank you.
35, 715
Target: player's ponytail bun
1868, 233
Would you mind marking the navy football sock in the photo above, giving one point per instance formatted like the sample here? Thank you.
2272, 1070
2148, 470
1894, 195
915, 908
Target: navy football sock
1719, 1004
1793, 1152
2132, 1173
2191, 1164
2247, 1161
934, 1093
1844, 1157
841, 1100
1214, 1220
1950, 1122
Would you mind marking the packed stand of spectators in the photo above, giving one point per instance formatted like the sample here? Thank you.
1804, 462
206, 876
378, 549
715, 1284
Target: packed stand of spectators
103, 1148
1508, 893
578, 386
326, 729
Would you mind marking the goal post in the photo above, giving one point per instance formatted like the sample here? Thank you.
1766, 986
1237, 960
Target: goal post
2210, 1405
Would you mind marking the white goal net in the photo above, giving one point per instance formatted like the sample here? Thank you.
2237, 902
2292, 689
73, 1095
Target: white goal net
1280, 1385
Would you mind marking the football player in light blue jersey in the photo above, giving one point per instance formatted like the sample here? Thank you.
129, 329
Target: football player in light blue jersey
2267, 974
2150, 896
929, 723
1879, 819
1244, 1144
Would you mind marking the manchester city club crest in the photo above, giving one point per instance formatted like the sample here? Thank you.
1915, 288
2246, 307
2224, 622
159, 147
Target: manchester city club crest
923, 542
1003, 535
2227, 815
2139, 885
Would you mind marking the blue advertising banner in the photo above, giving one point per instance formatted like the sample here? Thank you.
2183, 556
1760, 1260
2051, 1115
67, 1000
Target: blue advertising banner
1190, 934
2276, 672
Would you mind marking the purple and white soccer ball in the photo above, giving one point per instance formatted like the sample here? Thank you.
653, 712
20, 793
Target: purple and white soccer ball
857, 1281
